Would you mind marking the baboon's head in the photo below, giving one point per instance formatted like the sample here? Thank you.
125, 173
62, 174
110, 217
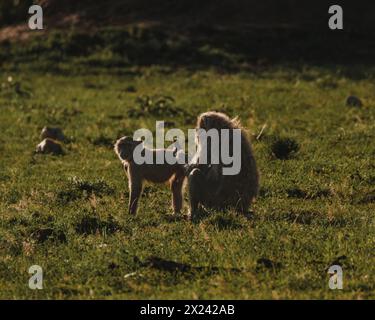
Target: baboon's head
124, 147
215, 120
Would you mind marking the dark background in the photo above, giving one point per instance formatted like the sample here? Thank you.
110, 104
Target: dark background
266, 32
359, 14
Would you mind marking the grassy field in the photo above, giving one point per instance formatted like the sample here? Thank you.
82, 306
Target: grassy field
68, 213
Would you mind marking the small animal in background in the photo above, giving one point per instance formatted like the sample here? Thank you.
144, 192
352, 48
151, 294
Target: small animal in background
137, 174
353, 101
49, 146
52, 133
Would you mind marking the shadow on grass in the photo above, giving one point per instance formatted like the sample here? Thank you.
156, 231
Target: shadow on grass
311, 217
93, 224
264, 264
77, 188
175, 267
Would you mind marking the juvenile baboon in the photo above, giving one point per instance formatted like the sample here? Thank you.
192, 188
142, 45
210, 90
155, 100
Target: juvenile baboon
157, 173
206, 183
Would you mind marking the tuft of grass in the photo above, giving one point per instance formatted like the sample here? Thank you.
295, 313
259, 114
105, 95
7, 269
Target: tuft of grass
93, 224
225, 221
284, 148
157, 106
77, 188
43, 234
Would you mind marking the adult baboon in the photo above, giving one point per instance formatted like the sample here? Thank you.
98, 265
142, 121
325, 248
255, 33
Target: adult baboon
208, 186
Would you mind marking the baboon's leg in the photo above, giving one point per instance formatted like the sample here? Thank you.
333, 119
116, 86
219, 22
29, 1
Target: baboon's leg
135, 194
176, 187
196, 183
243, 204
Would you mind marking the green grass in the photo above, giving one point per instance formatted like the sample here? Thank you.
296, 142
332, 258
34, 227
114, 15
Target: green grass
68, 213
